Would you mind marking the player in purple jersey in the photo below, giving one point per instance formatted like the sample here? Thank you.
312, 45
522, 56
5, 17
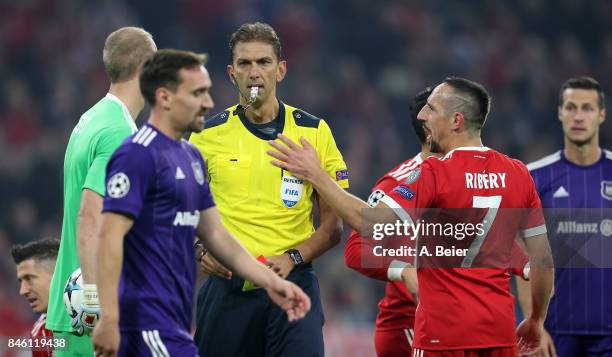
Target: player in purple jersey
157, 200
576, 183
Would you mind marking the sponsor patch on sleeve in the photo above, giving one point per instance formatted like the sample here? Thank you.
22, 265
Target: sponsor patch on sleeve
404, 192
342, 175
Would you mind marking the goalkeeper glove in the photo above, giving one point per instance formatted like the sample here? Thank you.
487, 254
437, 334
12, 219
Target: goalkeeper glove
85, 321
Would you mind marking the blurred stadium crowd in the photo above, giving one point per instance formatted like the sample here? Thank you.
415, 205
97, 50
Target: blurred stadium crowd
354, 63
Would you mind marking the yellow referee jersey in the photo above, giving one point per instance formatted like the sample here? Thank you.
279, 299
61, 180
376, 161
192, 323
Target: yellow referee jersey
265, 207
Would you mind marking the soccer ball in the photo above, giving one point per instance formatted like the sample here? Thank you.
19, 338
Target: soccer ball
73, 293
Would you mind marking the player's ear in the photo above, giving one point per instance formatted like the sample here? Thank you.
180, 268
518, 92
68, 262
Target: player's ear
602, 116
162, 97
458, 121
230, 73
281, 71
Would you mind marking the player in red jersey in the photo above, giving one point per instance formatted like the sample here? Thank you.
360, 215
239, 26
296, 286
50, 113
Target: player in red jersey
462, 312
35, 263
395, 321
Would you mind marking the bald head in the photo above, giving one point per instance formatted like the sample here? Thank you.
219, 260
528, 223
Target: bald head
125, 50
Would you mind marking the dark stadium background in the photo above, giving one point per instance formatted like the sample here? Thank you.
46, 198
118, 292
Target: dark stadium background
354, 63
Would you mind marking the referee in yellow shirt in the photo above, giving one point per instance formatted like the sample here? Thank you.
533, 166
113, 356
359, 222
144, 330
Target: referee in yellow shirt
268, 209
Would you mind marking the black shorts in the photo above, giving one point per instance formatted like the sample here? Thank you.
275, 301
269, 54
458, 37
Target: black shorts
234, 323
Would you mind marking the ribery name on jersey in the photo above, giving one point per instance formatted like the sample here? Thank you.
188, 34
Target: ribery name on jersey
483, 180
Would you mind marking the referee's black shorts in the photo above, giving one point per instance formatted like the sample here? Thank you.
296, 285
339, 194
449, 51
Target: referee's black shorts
233, 323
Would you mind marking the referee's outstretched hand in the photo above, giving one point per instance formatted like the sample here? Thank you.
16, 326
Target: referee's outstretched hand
299, 159
290, 298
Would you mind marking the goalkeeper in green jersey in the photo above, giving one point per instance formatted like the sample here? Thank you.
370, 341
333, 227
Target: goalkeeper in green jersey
98, 133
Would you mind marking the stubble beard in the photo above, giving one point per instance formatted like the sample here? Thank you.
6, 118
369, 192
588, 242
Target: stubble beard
194, 127
582, 142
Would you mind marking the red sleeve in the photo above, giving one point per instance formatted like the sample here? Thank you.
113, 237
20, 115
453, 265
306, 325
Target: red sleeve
39, 330
533, 224
355, 249
533, 220
417, 191
408, 200
358, 248
518, 261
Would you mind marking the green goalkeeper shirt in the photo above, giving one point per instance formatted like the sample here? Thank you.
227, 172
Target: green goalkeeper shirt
97, 135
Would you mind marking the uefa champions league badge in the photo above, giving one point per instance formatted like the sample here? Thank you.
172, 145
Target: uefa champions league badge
291, 190
375, 198
606, 190
118, 185
197, 172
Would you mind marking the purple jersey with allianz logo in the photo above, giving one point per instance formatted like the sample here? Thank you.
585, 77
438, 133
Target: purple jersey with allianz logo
159, 182
580, 198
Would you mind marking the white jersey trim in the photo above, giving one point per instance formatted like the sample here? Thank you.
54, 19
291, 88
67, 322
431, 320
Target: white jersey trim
397, 209
607, 154
144, 136
155, 344
545, 161
126, 113
466, 148
409, 335
419, 158
40, 323
404, 169
531, 232
147, 339
139, 134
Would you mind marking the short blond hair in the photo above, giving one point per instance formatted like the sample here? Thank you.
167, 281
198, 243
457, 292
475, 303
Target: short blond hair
125, 50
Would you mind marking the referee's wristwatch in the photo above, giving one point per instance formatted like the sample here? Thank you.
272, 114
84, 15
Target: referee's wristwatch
296, 257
